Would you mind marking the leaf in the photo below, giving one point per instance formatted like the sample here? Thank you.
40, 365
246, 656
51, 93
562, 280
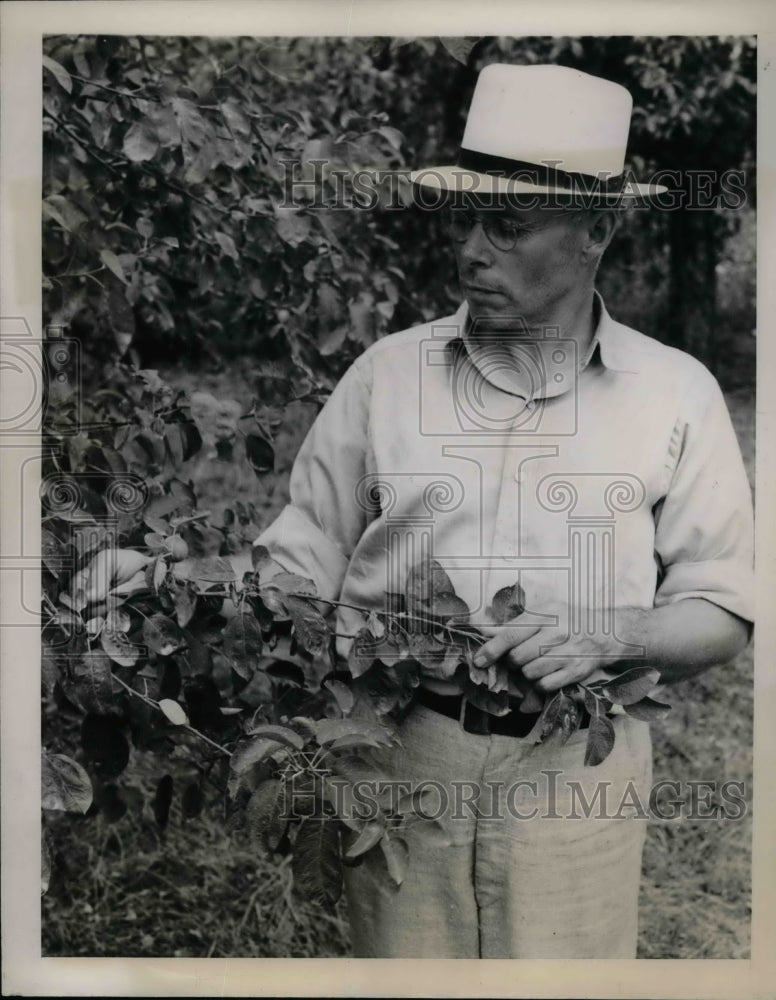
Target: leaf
260, 453
211, 569
140, 143
290, 226
332, 730
450, 609
342, 695
262, 561
162, 634
600, 739
292, 583
459, 48
118, 647
64, 784
163, 801
310, 627
281, 734
252, 752
369, 837
425, 581
94, 682
173, 712
316, 863
648, 710
569, 717
145, 227
104, 744
431, 832
184, 599
263, 813
243, 643
397, 857
549, 717
111, 261
227, 245
508, 603
632, 685
59, 73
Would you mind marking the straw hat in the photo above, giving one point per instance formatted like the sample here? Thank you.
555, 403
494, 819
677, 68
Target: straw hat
534, 130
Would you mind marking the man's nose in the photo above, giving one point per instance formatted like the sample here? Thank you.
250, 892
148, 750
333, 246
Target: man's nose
476, 249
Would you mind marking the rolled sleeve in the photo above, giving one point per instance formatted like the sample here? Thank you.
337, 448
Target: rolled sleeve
315, 534
704, 529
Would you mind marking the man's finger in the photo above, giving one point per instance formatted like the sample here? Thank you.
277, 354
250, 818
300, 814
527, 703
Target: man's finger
505, 637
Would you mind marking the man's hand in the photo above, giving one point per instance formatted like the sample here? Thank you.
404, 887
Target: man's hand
568, 659
112, 571
122, 571
679, 640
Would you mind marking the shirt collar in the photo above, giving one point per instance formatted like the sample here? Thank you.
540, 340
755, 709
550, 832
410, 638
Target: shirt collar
606, 347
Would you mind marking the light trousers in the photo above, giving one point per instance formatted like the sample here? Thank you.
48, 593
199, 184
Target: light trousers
545, 853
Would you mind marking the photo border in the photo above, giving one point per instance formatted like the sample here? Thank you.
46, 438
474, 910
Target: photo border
24, 971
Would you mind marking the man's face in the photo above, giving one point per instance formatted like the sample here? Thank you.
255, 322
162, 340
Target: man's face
518, 262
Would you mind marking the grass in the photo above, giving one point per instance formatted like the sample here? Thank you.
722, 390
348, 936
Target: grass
195, 890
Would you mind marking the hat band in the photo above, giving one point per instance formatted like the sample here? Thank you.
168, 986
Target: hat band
538, 173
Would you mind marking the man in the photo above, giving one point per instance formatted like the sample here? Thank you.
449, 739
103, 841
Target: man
528, 438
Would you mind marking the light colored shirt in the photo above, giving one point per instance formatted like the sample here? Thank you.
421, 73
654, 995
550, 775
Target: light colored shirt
621, 487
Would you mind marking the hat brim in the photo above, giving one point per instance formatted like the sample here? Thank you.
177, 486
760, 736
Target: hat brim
454, 179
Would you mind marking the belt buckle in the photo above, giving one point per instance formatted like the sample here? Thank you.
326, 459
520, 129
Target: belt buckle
475, 720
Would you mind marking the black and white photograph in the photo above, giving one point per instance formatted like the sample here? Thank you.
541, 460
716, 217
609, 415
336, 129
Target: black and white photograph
392, 466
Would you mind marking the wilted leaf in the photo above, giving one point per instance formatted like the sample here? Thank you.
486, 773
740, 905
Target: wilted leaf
316, 863
550, 715
162, 634
173, 712
508, 603
600, 739
290, 226
632, 685
64, 784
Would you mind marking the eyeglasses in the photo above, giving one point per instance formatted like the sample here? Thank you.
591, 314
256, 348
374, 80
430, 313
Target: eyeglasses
501, 231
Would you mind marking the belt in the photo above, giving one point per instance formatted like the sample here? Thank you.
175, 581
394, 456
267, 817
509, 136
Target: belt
482, 723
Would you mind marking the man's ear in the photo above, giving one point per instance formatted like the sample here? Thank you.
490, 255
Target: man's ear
600, 225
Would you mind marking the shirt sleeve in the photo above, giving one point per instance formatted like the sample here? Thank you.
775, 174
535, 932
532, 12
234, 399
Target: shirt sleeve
316, 533
704, 525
